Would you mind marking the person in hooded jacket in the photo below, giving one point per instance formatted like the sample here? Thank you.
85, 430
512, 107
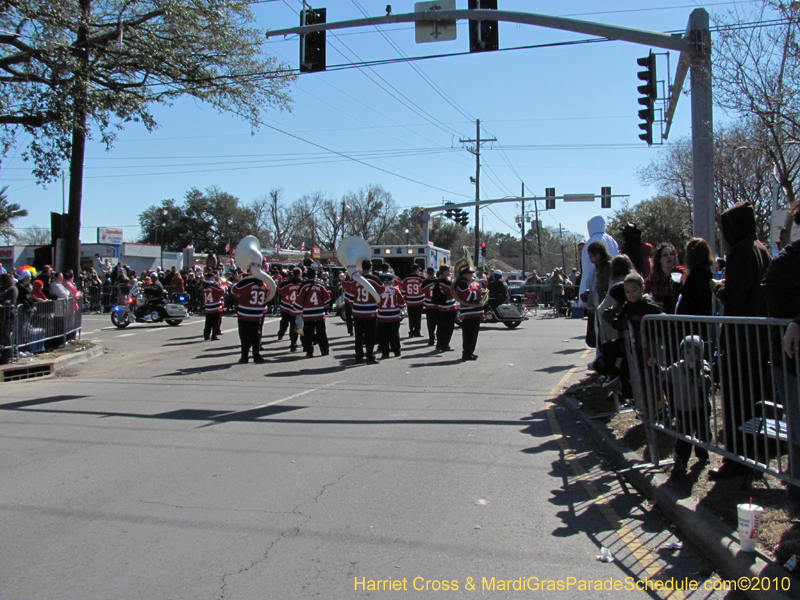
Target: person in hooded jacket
782, 295
596, 227
740, 293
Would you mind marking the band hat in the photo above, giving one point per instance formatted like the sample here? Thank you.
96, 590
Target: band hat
465, 271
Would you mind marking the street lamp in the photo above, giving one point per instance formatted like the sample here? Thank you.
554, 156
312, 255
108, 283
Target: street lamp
406, 237
163, 219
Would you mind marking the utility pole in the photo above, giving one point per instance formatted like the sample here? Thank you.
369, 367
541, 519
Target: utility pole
538, 233
563, 255
522, 223
477, 153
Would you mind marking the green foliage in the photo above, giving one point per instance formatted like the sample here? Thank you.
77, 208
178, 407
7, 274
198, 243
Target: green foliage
9, 212
660, 219
140, 52
209, 220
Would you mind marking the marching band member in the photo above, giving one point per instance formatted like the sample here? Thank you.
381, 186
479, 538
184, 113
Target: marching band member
429, 306
287, 291
415, 298
364, 315
252, 294
388, 330
447, 310
469, 291
311, 301
213, 295
349, 291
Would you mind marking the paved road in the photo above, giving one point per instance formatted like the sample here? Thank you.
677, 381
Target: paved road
165, 470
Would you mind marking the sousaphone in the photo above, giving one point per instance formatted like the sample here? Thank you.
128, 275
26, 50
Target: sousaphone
352, 251
249, 258
465, 262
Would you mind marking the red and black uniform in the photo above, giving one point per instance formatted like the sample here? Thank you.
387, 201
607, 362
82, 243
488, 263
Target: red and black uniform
251, 294
388, 329
311, 303
447, 316
415, 298
365, 312
213, 295
287, 292
349, 291
430, 309
469, 292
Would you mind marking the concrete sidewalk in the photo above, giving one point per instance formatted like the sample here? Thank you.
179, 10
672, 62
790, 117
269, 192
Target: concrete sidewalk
715, 539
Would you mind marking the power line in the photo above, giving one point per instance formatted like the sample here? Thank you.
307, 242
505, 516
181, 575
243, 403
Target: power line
419, 71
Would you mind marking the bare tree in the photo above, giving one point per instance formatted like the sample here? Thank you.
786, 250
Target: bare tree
34, 236
757, 74
303, 215
372, 212
330, 223
742, 171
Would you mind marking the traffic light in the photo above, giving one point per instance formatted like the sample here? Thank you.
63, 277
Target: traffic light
463, 218
649, 91
312, 45
605, 197
483, 35
449, 212
483, 249
550, 198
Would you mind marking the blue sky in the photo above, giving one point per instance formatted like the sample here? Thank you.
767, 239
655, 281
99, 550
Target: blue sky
564, 117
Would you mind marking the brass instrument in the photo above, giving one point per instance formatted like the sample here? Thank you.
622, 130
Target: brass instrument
352, 251
249, 257
466, 263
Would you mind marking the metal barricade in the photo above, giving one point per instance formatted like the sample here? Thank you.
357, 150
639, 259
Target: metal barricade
93, 299
720, 383
48, 325
542, 296
8, 324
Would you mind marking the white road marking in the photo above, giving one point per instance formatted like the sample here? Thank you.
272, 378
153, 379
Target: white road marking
297, 395
125, 335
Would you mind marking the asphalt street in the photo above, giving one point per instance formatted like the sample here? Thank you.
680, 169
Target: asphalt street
164, 470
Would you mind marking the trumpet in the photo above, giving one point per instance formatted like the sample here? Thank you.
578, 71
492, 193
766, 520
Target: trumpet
465, 262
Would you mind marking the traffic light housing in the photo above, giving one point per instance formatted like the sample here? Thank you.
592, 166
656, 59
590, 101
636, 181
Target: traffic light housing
483, 249
312, 45
462, 218
605, 197
649, 91
449, 212
549, 198
483, 35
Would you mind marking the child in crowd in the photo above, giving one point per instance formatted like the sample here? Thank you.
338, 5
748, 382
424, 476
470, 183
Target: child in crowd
688, 387
636, 306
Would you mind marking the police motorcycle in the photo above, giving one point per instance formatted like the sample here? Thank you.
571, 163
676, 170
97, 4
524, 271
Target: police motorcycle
139, 308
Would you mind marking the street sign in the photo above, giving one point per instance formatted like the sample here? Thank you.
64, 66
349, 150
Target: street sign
434, 31
578, 197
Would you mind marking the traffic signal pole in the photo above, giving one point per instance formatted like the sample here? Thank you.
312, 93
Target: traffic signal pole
694, 46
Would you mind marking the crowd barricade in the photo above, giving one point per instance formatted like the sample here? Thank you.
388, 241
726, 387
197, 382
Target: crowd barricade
752, 414
543, 296
45, 326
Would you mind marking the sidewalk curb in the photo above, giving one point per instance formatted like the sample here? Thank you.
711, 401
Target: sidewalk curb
62, 362
716, 540
69, 360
